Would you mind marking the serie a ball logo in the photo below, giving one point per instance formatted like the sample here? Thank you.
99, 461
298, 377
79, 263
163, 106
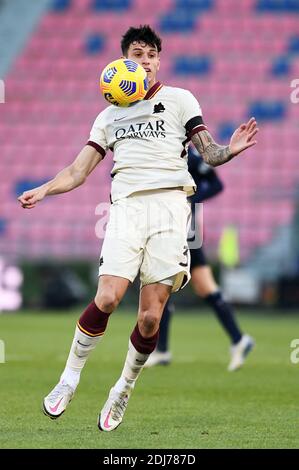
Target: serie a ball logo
123, 82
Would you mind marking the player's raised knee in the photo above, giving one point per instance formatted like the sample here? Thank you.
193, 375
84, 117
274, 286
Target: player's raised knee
107, 301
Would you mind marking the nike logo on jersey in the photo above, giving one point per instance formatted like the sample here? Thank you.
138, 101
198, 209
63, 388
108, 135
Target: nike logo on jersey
119, 119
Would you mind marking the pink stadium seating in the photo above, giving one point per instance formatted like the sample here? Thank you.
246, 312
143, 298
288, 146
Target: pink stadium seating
53, 99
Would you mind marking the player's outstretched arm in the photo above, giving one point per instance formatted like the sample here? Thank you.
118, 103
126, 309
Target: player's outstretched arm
215, 154
67, 179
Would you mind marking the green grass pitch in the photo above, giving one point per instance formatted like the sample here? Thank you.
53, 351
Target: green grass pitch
194, 403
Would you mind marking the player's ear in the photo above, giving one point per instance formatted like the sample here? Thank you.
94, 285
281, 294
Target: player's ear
158, 66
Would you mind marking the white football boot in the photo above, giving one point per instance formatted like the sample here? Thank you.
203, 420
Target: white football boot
239, 352
56, 402
158, 358
114, 409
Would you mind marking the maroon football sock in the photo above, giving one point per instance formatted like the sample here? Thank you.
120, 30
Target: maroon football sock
93, 321
141, 344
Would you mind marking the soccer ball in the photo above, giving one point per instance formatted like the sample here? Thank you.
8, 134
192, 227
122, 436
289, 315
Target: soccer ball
123, 82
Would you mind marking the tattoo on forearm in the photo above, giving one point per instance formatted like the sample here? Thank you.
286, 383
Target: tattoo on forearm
212, 153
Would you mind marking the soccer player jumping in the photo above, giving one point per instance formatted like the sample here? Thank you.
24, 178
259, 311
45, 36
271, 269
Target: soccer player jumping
147, 229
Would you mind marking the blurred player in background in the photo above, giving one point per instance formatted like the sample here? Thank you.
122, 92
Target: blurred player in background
150, 177
202, 279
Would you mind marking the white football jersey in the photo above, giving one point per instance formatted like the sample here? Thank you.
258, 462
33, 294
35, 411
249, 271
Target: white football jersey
149, 140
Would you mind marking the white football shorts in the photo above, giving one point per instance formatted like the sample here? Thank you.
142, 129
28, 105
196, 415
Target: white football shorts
147, 233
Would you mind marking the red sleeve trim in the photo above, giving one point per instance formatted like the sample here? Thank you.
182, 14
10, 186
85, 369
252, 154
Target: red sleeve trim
98, 148
196, 129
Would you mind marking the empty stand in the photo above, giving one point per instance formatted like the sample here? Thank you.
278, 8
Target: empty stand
228, 53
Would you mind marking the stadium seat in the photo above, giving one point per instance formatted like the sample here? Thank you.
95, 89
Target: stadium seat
293, 47
278, 6
190, 65
94, 43
3, 226
225, 131
281, 67
118, 5
177, 21
195, 6
60, 5
271, 110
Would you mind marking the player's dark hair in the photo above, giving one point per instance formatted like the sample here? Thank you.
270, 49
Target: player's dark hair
142, 34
